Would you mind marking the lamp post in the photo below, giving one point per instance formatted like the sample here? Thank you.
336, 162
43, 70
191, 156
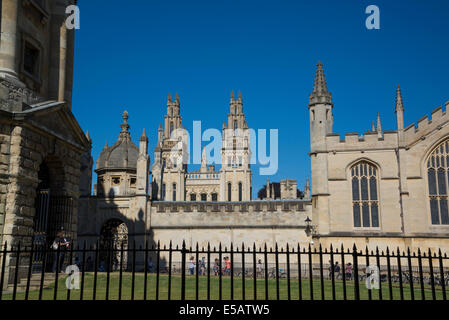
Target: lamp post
309, 228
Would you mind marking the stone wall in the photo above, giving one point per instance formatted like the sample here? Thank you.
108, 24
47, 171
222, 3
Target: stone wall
5, 139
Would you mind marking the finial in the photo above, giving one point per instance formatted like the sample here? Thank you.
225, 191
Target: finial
124, 134
373, 126
240, 95
379, 126
232, 95
106, 145
125, 116
169, 98
177, 98
320, 92
160, 127
399, 103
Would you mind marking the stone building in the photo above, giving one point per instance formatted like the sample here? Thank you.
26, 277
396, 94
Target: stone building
195, 206
45, 156
380, 188
171, 180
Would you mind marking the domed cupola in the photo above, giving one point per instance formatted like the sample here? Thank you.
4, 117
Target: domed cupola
117, 165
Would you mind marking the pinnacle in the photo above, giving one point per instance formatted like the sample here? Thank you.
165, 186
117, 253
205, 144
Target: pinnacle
399, 103
320, 92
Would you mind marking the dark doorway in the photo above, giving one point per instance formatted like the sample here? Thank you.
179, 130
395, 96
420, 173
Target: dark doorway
53, 211
113, 237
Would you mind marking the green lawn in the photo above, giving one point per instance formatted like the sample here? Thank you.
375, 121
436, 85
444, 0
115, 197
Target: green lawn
48, 293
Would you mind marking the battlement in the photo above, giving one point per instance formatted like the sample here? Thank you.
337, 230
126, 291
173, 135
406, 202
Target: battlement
247, 214
438, 117
366, 141
255, 206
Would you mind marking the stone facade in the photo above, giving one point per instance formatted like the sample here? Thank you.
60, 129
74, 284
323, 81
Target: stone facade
373, 189
44, 153
180, 216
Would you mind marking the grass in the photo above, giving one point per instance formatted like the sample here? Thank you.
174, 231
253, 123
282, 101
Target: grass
190, 285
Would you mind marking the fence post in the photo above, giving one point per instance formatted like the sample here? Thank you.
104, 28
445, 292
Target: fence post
443, 284
356, 273
16, 273
183, 271
2, 276
432, 277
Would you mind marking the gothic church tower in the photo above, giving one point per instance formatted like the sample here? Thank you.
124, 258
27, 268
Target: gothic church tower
321, 122
235, 183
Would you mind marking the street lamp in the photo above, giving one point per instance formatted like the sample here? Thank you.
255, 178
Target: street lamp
308, 227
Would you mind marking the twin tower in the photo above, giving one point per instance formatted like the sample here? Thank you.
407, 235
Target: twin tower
123, 168
172, 182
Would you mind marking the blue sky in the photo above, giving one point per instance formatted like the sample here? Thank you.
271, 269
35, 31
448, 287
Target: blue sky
131, 55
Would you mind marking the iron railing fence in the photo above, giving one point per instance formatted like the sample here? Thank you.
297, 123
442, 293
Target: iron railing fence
234, 273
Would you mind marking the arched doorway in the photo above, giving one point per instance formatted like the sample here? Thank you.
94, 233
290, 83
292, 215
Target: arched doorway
113, 235
53, 210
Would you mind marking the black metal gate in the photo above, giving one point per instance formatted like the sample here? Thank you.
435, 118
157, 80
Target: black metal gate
53, 214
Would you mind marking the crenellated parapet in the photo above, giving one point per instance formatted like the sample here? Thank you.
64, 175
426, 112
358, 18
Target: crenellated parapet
426, 125
366, 141
248, 214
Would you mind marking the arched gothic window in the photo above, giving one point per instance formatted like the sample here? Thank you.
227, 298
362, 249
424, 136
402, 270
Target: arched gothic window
240, 191
174, 191
365, 195
437, 173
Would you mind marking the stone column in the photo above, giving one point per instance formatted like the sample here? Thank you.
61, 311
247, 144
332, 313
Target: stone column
58, 53
8, 45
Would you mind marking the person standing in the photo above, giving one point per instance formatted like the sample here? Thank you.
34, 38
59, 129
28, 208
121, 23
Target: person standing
336, 270
348, 271
62, 244
192, 265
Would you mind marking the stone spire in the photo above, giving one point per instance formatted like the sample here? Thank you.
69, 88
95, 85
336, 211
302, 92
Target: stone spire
204, 160
240, 96
106, 145
399, 110
379, 126
320, 92
143, 137
124, 134
169, 98
307, 189
232, 95
373, 127
399, 103
177, 98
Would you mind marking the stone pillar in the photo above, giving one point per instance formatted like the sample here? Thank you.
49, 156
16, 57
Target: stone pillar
58, 53
8, 45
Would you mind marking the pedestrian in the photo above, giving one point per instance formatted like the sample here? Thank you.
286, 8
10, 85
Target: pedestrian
203, 266
331, 269
216, 266
348, 271
336, 269
228, 266
259, 268
192, 265
62, 244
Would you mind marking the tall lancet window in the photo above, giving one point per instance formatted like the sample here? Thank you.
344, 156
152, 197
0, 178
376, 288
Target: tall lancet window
437, 174
365, 195
171, 128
